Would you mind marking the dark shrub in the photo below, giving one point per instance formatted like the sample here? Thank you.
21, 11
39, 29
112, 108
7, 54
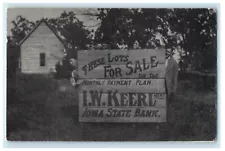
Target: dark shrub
200, 81
64, 71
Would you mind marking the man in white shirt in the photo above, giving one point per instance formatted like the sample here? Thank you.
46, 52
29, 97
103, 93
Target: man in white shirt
171, 76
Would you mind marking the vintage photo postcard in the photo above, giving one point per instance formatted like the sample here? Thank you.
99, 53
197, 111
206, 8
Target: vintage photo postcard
111, 74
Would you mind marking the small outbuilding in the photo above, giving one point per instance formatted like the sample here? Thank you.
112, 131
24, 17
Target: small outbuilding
41, 50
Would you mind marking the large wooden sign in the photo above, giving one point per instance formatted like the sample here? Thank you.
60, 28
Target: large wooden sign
122, 86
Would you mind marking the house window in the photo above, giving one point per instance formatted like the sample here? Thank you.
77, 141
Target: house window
42, 59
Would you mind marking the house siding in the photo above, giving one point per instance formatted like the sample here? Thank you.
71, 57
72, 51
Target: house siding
42, 40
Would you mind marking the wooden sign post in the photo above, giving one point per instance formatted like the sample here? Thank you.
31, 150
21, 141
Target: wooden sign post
122, 86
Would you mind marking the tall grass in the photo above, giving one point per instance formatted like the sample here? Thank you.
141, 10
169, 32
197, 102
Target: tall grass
26, 98
38, 110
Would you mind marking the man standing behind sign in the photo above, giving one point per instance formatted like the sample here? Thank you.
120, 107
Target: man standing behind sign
171, 76
171, 72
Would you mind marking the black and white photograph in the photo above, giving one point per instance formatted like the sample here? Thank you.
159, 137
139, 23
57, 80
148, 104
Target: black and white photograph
111, 74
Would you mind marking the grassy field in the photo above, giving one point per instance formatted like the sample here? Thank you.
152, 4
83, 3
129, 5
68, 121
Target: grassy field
44, 109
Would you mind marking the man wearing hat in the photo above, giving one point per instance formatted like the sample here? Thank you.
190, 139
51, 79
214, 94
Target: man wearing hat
171, 75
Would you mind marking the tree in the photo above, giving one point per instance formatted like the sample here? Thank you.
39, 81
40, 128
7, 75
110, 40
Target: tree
191, 31
125, 27
73, 32
195, 31
21, 28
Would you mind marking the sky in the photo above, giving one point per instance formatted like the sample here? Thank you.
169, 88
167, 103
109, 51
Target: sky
34, 14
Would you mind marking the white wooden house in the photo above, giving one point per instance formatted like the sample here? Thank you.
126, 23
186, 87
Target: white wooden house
41, 50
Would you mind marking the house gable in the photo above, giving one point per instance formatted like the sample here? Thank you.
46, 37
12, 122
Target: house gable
42, 36
41, 40
41, 22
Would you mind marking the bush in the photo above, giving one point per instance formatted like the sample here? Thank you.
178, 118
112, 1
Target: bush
64, 70
199, 81
13, 53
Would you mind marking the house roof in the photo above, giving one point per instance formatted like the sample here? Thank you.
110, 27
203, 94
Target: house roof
38, 24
